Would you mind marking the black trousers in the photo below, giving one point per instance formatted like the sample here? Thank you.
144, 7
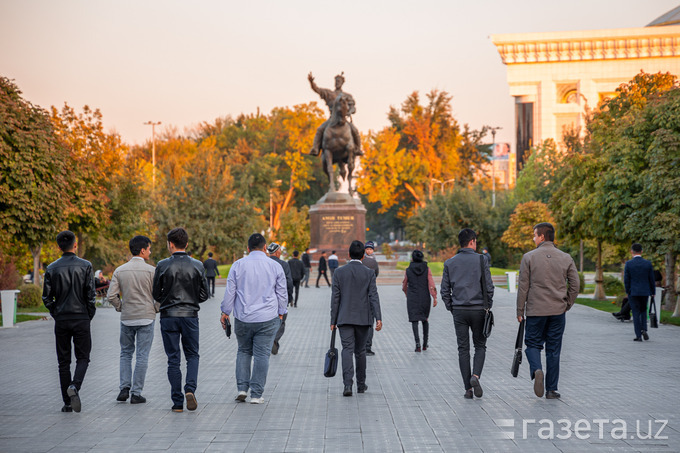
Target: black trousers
324, 276
78, 331
296, 289
211, 284
426, 331
353, 340
465, 321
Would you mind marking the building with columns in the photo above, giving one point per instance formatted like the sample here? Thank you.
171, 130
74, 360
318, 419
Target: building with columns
555, 76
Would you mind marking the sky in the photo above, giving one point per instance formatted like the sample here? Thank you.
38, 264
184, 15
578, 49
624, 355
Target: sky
187, 62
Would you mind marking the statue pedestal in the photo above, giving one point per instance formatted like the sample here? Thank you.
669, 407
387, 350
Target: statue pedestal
336, 220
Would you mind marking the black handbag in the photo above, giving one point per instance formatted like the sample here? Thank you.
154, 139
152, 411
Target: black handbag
330, 366
653, 321
227, 328
488, 315
517, 359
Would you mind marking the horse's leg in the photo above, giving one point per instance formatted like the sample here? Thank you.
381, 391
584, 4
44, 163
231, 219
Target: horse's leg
328, 169
350, 170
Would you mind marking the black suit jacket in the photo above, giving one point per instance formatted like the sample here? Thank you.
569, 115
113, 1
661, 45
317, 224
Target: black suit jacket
638, 277
354, 297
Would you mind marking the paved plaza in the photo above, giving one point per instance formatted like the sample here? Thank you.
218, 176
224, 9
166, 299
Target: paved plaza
617, 395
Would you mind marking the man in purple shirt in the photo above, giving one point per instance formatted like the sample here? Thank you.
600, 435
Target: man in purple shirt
258, 295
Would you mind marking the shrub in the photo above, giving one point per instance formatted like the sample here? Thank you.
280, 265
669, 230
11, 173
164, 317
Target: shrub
613, 286
387, 251
30, 296
581, 282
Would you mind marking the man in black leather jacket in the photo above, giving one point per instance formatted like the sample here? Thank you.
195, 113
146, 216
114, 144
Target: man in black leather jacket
179, 284
68, 293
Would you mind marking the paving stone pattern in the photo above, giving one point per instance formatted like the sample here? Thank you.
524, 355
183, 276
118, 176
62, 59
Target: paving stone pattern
414, 400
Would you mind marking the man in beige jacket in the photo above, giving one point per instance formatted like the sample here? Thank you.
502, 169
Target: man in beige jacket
130, 292
548, 286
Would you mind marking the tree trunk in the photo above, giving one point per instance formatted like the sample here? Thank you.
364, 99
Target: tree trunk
81, 245
410, 188
35, 252
671, 293
599, 277
580, 253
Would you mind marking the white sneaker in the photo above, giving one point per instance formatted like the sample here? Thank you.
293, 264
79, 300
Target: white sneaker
259, 400
241, 397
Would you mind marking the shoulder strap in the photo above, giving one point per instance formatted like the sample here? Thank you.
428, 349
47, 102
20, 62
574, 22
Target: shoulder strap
485, 295
333, 337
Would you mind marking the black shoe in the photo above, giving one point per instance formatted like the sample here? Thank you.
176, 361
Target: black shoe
468, 394
425, 346
417, 348
137, 399
538, 383
67, 408
275, 348
347, 391
124, 394
617, 315
72, 392
644, 335
178, 408
369, 352
317, 286
362, 388
637, 339
295, 305
474, 382
552, 395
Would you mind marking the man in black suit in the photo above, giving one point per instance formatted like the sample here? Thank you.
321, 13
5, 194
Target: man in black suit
297, 272
638, 278
354, 304
211, 271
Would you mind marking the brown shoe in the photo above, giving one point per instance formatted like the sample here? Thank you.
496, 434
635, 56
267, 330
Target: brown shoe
191, 401
538, 383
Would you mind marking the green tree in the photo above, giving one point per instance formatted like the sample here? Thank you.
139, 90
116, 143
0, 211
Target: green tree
34, 169
520, 232
542, 174
294, 229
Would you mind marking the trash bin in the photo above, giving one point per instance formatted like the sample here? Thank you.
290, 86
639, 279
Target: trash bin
9, 307
512, 281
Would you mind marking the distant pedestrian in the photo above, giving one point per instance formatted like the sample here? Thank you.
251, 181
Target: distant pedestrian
371, 263
179, 285
487, 255
548, 286
354, 305
638, 278
420, 290
463, 296
274, 251
68, 294
322, 269
257, 294
308, 267
297, 272
211, 271
131, 294
333, 263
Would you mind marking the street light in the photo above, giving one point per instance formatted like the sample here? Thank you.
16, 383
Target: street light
443, 183
493, 166
153, 151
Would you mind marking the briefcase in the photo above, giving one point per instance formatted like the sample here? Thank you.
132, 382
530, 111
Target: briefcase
330, 366
517, 359
653, 321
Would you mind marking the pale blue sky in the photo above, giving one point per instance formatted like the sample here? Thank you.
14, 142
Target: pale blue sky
184, 62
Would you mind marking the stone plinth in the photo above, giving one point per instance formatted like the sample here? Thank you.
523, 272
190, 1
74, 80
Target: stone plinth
336, 220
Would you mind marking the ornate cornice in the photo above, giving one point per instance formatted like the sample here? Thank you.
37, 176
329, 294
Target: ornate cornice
621, 44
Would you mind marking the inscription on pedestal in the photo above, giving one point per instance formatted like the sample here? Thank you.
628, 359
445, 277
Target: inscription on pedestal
338, 223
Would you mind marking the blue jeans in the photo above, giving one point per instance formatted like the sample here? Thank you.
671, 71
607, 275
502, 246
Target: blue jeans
172, 330
144, 335
638, 305
546, 330
255, 341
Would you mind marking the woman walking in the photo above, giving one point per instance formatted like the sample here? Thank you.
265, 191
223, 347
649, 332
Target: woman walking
418, 286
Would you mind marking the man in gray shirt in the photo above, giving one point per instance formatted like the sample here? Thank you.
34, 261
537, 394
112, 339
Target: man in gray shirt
130, 292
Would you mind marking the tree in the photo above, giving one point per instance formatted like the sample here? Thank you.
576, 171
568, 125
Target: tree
519, 234
294, 229
542, 174
33, 173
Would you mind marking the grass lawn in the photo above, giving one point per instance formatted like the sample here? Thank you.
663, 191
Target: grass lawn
22, 318
611, 308
38, 309
437, 268
224, 270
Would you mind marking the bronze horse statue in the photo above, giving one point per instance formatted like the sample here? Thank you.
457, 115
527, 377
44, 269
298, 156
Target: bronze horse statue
338, 144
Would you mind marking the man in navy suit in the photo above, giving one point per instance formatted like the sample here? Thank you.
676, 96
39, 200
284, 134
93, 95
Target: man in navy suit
638, 277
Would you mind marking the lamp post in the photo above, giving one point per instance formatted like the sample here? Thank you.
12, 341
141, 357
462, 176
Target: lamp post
443, 183
153, 151
493, 166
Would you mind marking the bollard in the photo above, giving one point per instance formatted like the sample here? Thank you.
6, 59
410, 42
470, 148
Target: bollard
9, 307
512, 281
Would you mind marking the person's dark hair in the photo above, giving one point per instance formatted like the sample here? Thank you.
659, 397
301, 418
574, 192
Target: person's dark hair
138, 243
356, 250
65, 240
333, 252
637, 248
256, 242
417, 256
465, 236
210, 254
296, 253
178, 237
546, 230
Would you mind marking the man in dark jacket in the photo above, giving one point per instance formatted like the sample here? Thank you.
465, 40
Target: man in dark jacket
274, 251
211, 271
179, 285
297, 271
463, 296
68, 293
371, 263
308, 267
354, 305
322, 269
638, 278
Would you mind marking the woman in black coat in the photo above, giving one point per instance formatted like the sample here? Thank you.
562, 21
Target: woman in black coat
418, 285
